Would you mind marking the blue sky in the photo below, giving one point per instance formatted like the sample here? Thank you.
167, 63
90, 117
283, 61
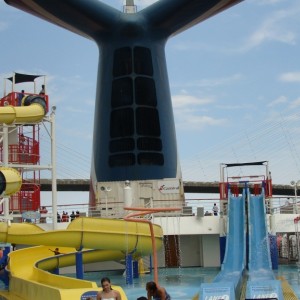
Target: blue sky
234, 79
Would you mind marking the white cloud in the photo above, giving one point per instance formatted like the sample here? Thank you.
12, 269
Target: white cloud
188, 115
180, 101
279, 100
275, 28
205, 120
290, 77
189, 120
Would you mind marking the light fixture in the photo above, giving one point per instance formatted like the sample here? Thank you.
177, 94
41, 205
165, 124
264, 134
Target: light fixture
294, 183
105, 189
295, 204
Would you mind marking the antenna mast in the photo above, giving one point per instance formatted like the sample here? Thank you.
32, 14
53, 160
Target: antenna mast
129, 7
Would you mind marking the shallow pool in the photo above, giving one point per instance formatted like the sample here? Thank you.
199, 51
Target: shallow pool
181, 283
184, 283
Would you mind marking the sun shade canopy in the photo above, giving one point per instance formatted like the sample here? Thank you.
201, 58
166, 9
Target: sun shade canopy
258, 163
19, 78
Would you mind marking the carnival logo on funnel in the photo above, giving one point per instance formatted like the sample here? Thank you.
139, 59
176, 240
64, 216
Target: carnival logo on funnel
168, 187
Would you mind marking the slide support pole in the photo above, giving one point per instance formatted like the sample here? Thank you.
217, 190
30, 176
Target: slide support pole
135, 266
129, 273
79, 265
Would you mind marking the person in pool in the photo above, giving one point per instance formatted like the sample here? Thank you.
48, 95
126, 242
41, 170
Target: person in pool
107, 292
156, 292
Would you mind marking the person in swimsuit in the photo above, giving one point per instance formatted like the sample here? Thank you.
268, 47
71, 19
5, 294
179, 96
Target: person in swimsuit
156, 292
56, 251
107, 292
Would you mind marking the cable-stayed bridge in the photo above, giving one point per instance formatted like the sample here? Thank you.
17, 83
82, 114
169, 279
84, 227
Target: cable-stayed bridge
82, 185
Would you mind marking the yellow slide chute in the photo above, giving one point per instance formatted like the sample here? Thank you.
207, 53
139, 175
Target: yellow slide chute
22, 114
10, 181
108, 239
91, 233
30, 278
33, 110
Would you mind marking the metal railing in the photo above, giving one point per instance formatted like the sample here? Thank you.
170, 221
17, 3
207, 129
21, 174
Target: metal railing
191, 207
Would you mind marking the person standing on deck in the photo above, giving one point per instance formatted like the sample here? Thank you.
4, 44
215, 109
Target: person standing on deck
215, 209
42, 91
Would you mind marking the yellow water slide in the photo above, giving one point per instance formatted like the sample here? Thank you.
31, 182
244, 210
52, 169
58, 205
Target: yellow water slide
10, 181
33, 110
101, 239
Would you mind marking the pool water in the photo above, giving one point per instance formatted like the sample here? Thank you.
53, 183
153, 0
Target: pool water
184, 283
181, 283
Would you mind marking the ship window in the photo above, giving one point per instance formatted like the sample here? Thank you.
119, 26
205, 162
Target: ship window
143, 61
119, 160
122, 145
149, 144
145, 93
122, 62
150, 159
121, 93
121, 123
147, 121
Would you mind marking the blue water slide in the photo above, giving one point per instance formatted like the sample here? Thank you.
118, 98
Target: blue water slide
228, 282
261, 279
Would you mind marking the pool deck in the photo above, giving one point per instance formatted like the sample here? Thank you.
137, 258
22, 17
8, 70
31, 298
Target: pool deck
288, 292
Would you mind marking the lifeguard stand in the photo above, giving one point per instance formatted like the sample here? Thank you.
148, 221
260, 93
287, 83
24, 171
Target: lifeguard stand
23, 139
